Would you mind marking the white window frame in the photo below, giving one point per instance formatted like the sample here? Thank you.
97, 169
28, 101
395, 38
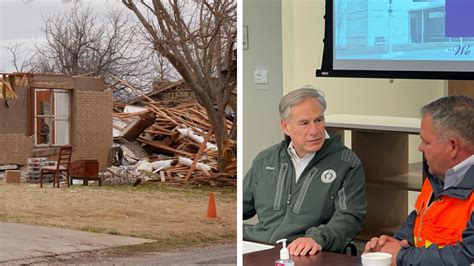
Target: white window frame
61, 133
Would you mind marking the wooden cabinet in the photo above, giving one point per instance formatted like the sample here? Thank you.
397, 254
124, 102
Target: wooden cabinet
382, 145
461, 87
85, 170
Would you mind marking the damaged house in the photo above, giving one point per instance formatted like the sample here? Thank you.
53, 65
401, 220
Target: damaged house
165, 133
40, 112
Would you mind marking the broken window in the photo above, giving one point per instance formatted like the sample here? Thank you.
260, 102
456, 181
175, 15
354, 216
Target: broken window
52, 117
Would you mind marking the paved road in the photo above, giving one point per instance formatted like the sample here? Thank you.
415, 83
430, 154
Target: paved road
28, 244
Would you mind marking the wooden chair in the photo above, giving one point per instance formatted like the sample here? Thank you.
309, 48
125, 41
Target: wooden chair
61, 167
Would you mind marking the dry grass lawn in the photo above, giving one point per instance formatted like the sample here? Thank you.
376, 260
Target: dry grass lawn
176, 216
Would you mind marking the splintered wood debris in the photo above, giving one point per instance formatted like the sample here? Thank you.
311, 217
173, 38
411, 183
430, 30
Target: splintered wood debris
172, 137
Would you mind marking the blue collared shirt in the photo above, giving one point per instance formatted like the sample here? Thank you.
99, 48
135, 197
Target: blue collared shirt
455, 175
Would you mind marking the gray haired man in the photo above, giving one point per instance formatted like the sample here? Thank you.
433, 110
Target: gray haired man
440, 231
309, 188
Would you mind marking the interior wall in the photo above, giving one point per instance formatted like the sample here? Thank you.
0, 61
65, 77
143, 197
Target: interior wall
303, 43
349, 95
301, 31
13, 113
260, 101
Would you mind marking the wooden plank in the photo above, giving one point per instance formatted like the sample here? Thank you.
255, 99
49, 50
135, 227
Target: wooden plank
162, 176
198, 154
161, 146
461, 87
133, 88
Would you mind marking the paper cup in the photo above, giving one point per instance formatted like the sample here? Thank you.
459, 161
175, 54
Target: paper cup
376, 259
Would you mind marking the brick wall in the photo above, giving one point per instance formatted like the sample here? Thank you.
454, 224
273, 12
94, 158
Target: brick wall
15, 148
92, 126
176, 95
14, 118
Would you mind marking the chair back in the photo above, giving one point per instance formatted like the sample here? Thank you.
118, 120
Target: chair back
64, 159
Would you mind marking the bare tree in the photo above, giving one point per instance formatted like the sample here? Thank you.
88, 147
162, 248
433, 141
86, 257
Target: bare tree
198, 38
78, 42
21, 59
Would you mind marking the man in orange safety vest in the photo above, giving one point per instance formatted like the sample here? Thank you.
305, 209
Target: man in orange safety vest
440, 231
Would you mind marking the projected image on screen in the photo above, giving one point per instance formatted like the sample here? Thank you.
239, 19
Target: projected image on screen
387, 34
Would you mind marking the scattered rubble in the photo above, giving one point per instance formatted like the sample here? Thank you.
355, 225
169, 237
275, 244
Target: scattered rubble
172, 144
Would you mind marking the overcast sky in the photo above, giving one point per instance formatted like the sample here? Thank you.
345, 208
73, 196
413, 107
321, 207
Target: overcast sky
20, 21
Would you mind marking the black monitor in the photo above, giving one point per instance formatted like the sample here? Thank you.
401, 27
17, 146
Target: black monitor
422, 39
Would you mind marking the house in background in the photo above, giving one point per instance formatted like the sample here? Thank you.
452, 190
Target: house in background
53, 110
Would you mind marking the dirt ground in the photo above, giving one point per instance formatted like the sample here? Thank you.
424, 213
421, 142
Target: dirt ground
176, 216
222, 254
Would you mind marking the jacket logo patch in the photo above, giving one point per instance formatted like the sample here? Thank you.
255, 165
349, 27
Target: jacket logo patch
269, 168
328, 176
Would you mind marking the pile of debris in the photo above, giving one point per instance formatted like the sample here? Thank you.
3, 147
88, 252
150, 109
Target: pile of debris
157, 143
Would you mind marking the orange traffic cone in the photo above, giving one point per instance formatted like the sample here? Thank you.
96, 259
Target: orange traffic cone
211, 207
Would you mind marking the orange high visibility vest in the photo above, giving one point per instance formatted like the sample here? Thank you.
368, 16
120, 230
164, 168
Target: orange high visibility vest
442, 222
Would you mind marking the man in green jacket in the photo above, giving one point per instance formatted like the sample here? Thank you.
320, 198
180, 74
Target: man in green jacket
309, 188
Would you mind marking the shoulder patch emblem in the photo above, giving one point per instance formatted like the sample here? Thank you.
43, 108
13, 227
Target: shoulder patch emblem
350, 157
328, 176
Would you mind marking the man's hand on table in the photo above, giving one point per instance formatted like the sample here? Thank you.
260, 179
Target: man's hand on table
303, 246
386, 244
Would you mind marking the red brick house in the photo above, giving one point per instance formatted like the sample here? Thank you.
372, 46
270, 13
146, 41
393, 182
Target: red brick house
54, 110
